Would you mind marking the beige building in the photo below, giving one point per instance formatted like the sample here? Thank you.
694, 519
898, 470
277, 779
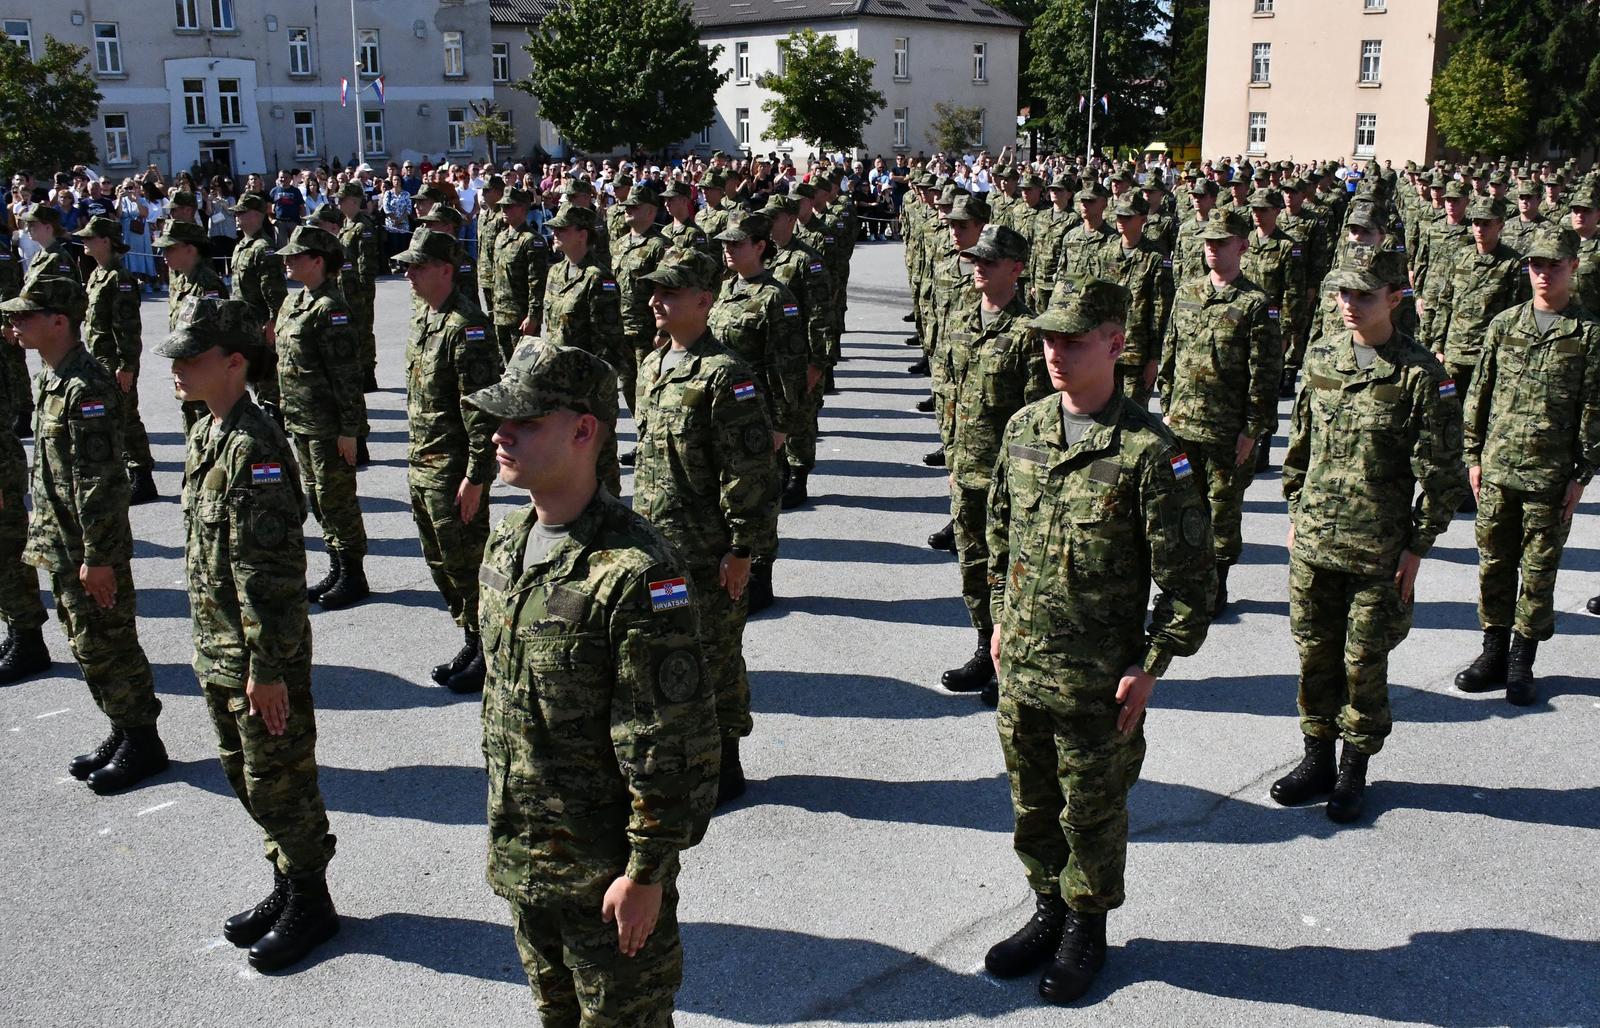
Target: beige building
1322, 79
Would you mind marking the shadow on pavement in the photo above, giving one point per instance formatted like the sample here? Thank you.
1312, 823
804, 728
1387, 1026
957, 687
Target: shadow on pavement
888, 504
448, 945
983, 805
947, 612
861, 551
827, 694
443, 794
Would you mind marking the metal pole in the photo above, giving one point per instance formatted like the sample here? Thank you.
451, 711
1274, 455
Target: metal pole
1094, 47
356, 85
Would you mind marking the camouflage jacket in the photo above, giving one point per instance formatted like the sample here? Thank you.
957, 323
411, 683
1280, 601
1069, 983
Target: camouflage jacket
318, 373
1440, 244
690, 236
521, 261
582, 308
467, 272
1076, 534
1189, 252
712, 220
242, 510
451, 353
759, 320
1050, 228
801, 270
1586, 283
1277, 265
830, 243
10, 269
1147, 275
1083, 252
1533, 417
80, 484
1479, 286
636, 256
363, 258
1000, 371
599, 731
846, 221
1360, 443
201, 282
949, 289
1518, 234
616, 231
1326, 320
490, 224
1221, 363
1416, 229
55, 259
111, 326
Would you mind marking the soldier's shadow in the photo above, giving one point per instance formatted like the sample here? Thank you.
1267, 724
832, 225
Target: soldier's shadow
446, 945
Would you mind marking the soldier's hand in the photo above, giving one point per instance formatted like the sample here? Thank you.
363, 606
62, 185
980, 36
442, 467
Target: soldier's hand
346, 445
1133, 693
1439, 356
734, 575
1405, 576
813, 376
527, 327
270, 333
125, 380
100, 582
468, 497
634, 907
270, 702
1289, 545
1243, 448
1574, 494
1475, 479
994, 651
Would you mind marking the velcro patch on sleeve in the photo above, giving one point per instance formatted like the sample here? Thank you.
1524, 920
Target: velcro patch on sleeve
474, 333
1447, 389
92, 409
669, 594
1180, 466
338, 319
744, 391
791, 310
266, 474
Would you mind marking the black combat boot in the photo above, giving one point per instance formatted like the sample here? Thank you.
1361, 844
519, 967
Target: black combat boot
441, 672
370, 383
1033, 943
363, 456
1079, 957
919, 368
248, 926
913, 341
86, 764
945, 538
1220, 601
308, 919
1344, 805
1286, 385
350, 588
1263, 454
934, 458
627, 459
730, 779
794, 494
25, 654
1593, 605
827, 383
470, 678
910, 318
1488, 670
989, 695
323, 584
1311, 778
925, 405
1521, 688
760, 588
975, 673
140, 755
144, 486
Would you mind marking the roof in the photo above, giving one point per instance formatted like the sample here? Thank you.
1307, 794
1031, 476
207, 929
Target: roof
723, 13
515, 12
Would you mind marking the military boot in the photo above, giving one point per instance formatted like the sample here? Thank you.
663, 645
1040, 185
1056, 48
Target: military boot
248, 926
919, 368
86, 764
975, 673
1521, 688
1286, 384
794, 494
910, 318
1311, 778
760, 588
144, 486
912, 341
730, 779
1263, 454
1079, 957
934, 458
1033, 943
1344, 805
1220, 600
369, 384
627, 459
989, 695
470, 678
925, 405
944, 538
140, 755
363, 456
827, 383
25, 654
1488, 670
1593, 606
323, 584
441, 672
351, 586
308, 919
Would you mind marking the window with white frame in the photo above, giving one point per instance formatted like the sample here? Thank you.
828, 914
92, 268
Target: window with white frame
1375, 5
300, 51
194, 103
1260, 63
1256, 141
118, 147
902, 57
902, 122
305, 134
188, 15
741, 125
1366, 135
367, 54
783, 60
983, 121
741, 61
1263, 6
500, 62
510, 145
107, 48
19, 32
222, 15
229, 110
705, 136
372, 130
980, 62
455, 127
1371, 60
454, 62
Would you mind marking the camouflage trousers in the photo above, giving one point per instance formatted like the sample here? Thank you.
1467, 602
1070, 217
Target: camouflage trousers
331, 494
19, 583
1519, 532
1430, 326
135, 440
1345, 626
266, 387
840, 303
362, 313
579, 975
635, 347
1070, 778
275, 776
722, 639
969, 511
505, 337
1224, 480
800, 448
105, 643
1130, 382
17, 376
453, 551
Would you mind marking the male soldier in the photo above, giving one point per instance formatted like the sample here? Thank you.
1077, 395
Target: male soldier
448, 220
252, 637
1189, 253
827, 237
951, 288
1532, 443
1278, 266
1484, 279
23, 652
1377, 418
682, 229
1220, 367
1005, 203
190, 276
1050, 228
80, 534
1032, 205
635, 256
1443, 239
490, 225
598, 726
258, 281
706, 478
1082, 248
330, 219
451, 458
713, 218
1136, 264
112, 326
1585, 221
1363, 236
1518, 232
358, 277
616, 216
579, 192
801, 270
840, 211
1159, 226
13, 365
426, 199
521, 262
1091, 500
996, 369
1423, 216
1308, 232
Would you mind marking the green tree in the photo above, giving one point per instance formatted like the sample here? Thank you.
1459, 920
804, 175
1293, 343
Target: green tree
46, 107
622, 73
1186, 71
954, 127
823, 95
1128, 69
1479, 103
490, 122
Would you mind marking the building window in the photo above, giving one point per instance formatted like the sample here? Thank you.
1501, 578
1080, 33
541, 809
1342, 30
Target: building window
1261, 63
367, 54
902, 132
1263, 6
980, 62
1371, 60
194, 103
20, 33
983, 122
499, 149
705, 136
1366, 135
228, 107
107, 48
222, 15
188, 15
902, 57
372, 130
1375, 5
299, 51
741, 61
305, 134
454, 64
118, 148
741, 125
1256, 142
500, 56
455, 124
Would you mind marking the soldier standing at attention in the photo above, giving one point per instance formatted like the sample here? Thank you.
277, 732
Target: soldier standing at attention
595, 669
706, 478
329, 218
320, 379
23, 653
13, 364
242, 508
615, 221
258, 281
1518, 232
1585, 221
1220, 367
1484, 280
42, 223
113, 329
521, 261
490, 225
1081, 248
1092, 499
713, 218
448, 220
80, 534
800, 269
682, 230
190, 276
635, 256
1440, 243
1189, 252
1532, 444
950, 289
1376, 419
1050, 227
1136, 264
1278, 267
358, 277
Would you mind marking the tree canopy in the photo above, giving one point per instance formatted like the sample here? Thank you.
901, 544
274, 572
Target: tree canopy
1186, 76
1480, 103
46, 106
1129, 69
823, 94
954, 128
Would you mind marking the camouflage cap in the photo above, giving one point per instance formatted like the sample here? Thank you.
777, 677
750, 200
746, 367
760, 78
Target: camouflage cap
182, 232
998, 242
494, 183
754, 225
1586, 196
42, 213
677, 189
1364, 215
1206, 187
641, 196
1527, 188
516, 197
1092, 190
577, 187
573, 216
353, 191
1224, 224
183, 198
1553, 242
968, 207
948, 194
1032, 180
104, 228
1130, 205
1488, 208
200, 324
428, 245
1007, 172
443, 214
1089, 303
310, 239
926, 180
716, 178
1263, 198
1154, 181
804, 190
781, 203
253, 202
54, 293
1456, 189
1366, 268
432, 194
686, 268
542, 378
623, 181
1064, 180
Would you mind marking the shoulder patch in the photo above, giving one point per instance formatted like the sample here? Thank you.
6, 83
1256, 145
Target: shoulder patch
669, 594
745, 390
1180, 466
791, 310
269, 473
338, 319
815, 266
1447, 389
608, 285
92, 409
212, 294
474, 333
125, 287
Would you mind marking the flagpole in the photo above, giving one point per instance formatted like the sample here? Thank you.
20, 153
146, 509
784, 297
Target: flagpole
355, 80
1094, 47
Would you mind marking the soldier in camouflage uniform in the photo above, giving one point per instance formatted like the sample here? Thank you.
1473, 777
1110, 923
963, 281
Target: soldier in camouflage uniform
1137, 264
713, 218
359, 279
1532, 444
448, 220
521, 261
42, 223
190, 276
1376, 419
636, 255
598, 726
1278, 266
1050, 228
579, 192
23, 653
1220, 367
490, 225
1485, 279
682, 230
1585, 221
1005, 200
1440, 244
801, 270
1518, 232
840, 212
614, 225
1189, 252
706, 477
319, 377
258, 281
950, 290
242, 508
1092, 499
451, 457
1083, 248
79, 531
815, 229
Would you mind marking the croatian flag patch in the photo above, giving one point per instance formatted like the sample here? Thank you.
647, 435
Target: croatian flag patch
1180, 466
791, 310
816, 267
338, 319
744, 391
1272, 312
474, 333
665, 595
1447, 389
93, 409
212, 294
266, 474
608, 284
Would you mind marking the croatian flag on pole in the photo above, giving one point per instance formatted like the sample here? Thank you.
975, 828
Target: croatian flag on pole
1083, 102
344, 92
1105, 102
377, 87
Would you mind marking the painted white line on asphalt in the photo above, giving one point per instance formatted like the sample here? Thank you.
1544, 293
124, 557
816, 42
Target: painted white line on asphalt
158, 806
64, 779
50, 713
105, 831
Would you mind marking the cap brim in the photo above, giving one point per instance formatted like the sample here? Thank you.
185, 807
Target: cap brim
1218, 234
182, 343
289, 249
1063, 323
1543, 253
409, 256
505, 403
731, 235
671, 278
20, 305
1354, 278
